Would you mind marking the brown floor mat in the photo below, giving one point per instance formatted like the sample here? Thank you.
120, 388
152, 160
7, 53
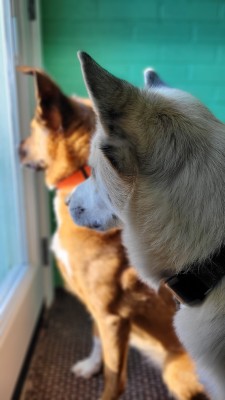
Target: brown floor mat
65, 337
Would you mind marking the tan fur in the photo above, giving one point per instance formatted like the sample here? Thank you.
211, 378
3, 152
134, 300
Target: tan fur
99, 273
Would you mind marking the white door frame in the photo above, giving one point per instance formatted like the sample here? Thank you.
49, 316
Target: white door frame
29, 43
21, 312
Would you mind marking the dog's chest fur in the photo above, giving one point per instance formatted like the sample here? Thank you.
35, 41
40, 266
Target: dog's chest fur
65, 244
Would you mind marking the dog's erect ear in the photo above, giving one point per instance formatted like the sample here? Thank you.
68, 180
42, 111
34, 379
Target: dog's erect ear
120, 154
152, 79
45, 87
55, 108
113, 100
110, 95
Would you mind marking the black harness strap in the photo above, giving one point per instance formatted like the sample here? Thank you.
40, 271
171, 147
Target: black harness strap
192, 286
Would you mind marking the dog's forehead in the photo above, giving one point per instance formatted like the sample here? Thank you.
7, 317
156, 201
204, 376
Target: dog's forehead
33, 123
38, 129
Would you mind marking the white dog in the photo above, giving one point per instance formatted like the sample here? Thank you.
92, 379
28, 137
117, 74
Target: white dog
158, 162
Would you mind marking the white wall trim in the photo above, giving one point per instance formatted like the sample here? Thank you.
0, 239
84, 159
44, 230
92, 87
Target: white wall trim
20, 313
16, 334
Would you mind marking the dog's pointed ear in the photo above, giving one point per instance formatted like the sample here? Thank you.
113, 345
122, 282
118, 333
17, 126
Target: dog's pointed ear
55, 108
113, 100
26, 69
45, 87
152, 79
109, 94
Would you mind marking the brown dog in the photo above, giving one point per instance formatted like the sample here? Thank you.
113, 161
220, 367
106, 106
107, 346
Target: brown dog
94, 264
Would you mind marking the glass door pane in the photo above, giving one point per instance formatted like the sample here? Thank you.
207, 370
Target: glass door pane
12, 233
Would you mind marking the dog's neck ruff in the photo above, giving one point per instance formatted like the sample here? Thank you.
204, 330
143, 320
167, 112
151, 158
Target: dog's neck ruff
75, 179
192, 287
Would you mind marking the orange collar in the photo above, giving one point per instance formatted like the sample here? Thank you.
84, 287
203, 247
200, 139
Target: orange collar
75, 179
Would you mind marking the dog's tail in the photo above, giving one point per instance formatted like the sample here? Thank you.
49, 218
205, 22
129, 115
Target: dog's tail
199, 396
181, 378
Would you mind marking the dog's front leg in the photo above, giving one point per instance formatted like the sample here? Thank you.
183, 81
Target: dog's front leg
114, 332
91, 365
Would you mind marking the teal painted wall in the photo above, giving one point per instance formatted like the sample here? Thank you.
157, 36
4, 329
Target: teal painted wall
184, 40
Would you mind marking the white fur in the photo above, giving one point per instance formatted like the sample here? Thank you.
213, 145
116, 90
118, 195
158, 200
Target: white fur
56, 247
201, 329
61, 254
91, 365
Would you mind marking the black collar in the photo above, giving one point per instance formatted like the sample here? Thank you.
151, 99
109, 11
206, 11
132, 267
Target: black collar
193, 285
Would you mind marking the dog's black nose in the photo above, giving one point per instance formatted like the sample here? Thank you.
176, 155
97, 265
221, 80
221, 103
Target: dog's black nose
22, 151
78, 211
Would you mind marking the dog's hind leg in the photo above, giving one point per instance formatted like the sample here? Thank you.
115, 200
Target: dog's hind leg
93, 363
114, 332
181, 379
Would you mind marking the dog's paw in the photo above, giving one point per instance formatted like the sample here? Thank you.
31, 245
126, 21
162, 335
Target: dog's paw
86, 368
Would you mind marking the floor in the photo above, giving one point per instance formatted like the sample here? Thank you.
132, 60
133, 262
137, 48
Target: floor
64, 338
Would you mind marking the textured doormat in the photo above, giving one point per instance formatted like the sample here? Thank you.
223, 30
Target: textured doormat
65, 338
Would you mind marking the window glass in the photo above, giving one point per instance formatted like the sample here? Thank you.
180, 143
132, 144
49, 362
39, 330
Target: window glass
12, 233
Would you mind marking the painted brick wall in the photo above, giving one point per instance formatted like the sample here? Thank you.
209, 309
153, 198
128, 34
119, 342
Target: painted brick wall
184, 40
